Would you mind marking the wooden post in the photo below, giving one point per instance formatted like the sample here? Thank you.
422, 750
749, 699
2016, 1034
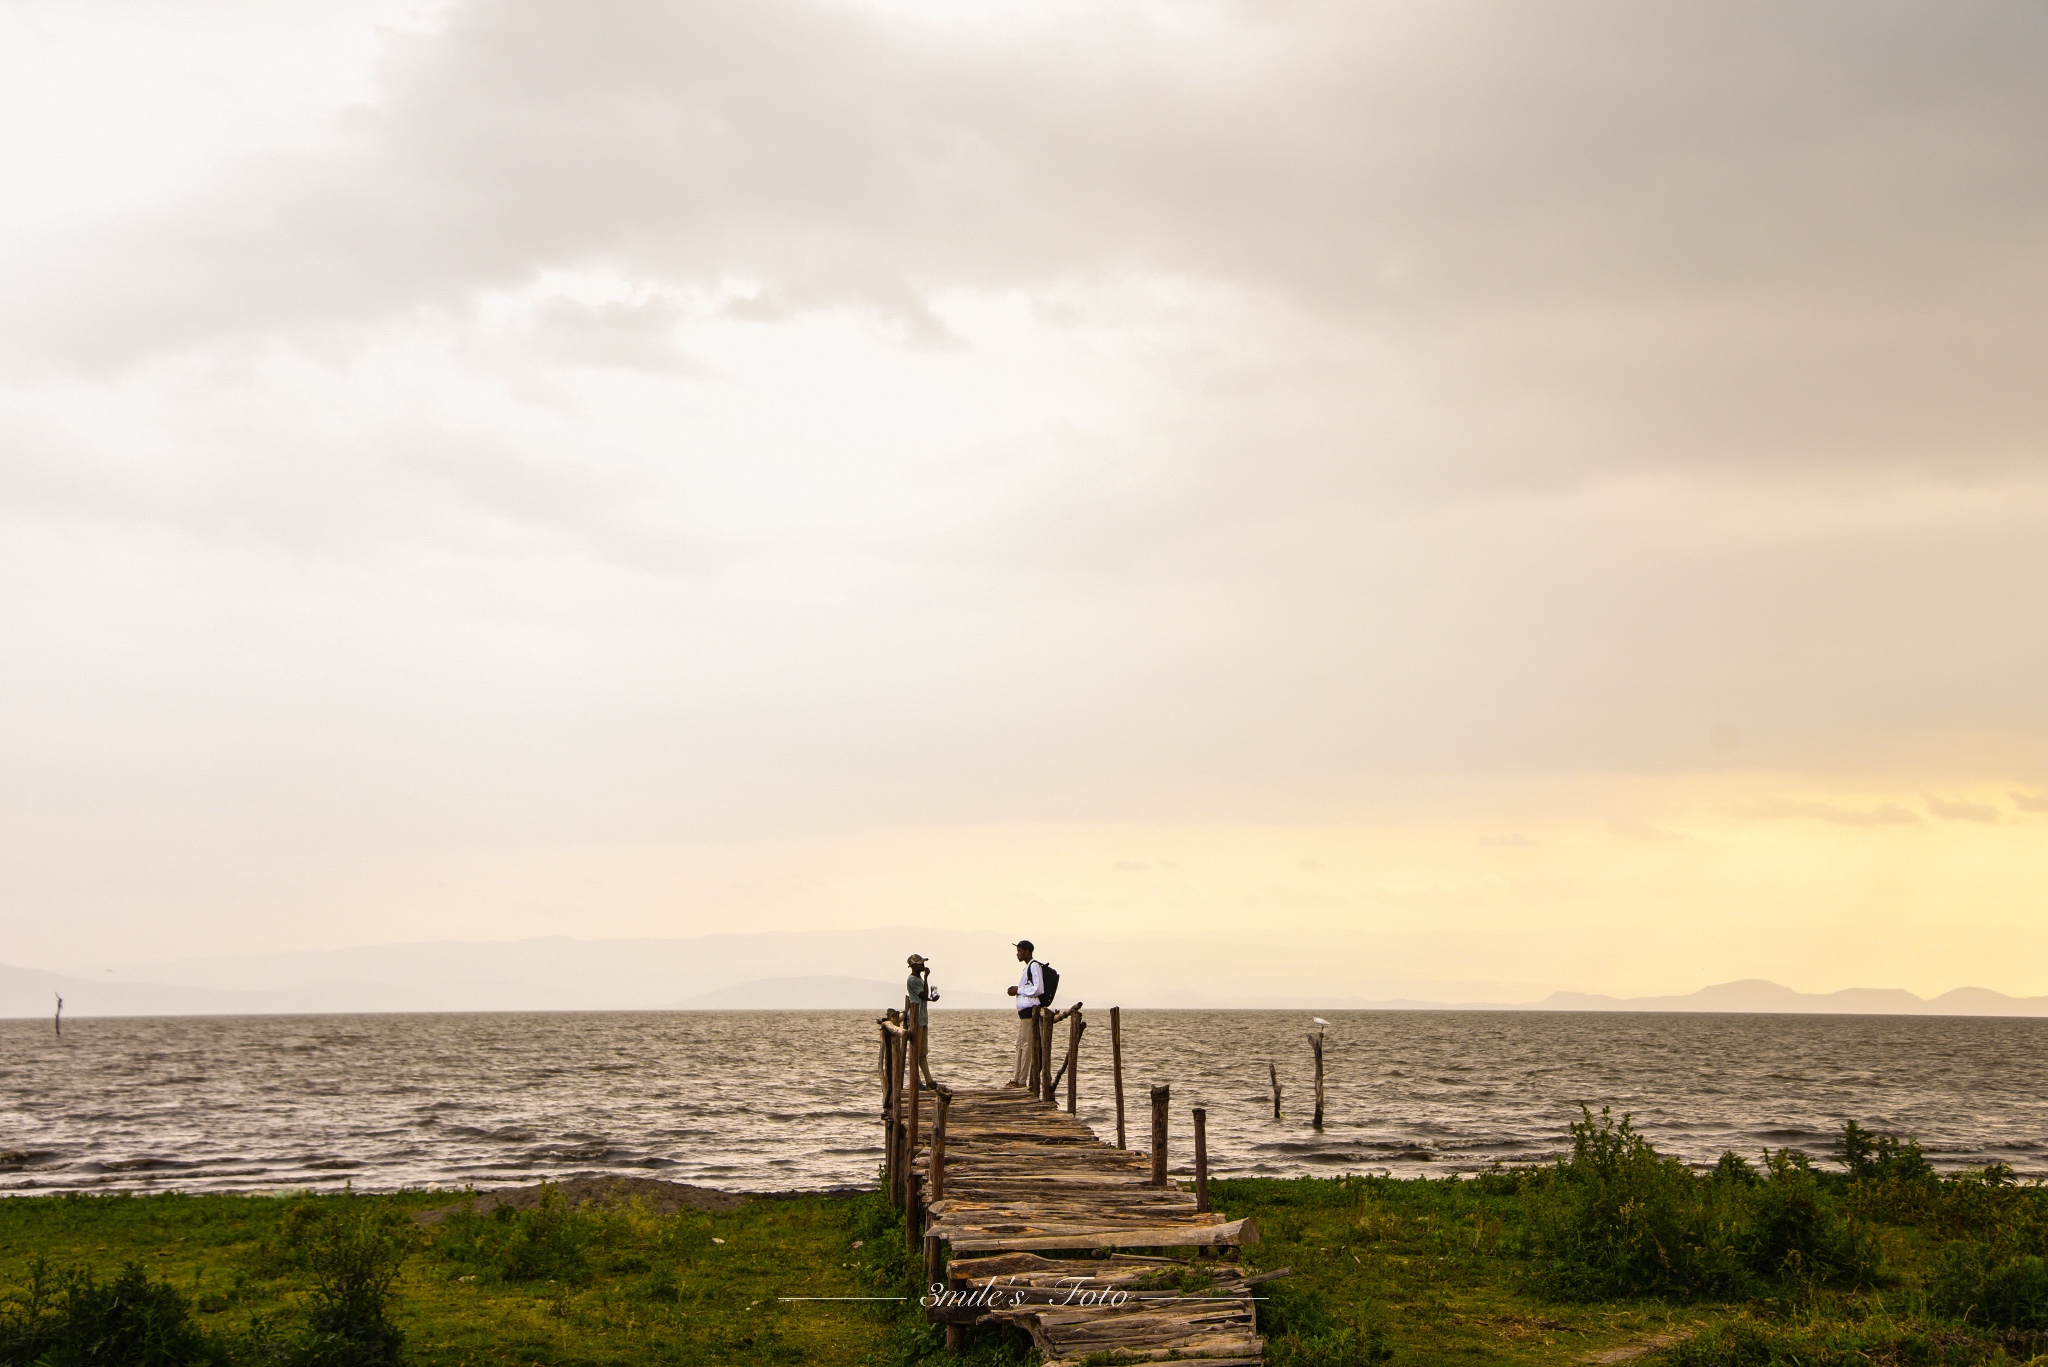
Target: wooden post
897, 1053
1161, 1096
939, 1146
1049, 1077
1116, 1066
1075, 1025
913, 1226
1273, 1073
956, 1338
1315, 1042
932, 1266
1037, 1058
910, 1047
889, 1114
1201, 1158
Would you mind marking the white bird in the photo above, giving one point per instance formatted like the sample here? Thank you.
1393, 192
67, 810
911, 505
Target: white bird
1318, 1020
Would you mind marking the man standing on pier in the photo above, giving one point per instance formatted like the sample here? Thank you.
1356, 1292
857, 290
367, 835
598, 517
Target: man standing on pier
918, 988
1029, 989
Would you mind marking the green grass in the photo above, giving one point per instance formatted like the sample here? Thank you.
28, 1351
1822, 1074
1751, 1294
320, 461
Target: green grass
1781, 1263
651, 1289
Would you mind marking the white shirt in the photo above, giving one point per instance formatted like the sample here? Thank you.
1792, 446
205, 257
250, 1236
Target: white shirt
1030, 986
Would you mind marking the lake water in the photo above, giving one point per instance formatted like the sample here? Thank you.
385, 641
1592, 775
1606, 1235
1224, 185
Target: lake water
782, 1100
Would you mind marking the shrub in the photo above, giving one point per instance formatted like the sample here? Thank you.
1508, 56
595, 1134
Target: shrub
1734, 1170
1617, 1219
1872, 1156
354, 1255
72, 1319
548, 1243
1971, 1282
1791, 1230
1301, 1331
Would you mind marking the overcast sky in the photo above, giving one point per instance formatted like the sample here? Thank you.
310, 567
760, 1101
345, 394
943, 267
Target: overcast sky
1556, 493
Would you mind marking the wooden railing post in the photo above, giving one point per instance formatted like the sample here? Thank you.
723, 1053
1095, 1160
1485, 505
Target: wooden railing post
889, 1114
1075, 1025
897, 1054
1046, 1025
911, 1044
1116, 1066
1161, 1096
1201, 1158
1035, 1082
913, 1223
939, 1146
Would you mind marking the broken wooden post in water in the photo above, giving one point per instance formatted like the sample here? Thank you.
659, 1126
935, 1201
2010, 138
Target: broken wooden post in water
1116, 1065
1273, 1073
1201, 1159
1161, 1095
1076, 1023
1315, 1042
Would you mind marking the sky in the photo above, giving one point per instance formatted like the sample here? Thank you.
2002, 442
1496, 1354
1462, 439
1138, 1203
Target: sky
1540, 497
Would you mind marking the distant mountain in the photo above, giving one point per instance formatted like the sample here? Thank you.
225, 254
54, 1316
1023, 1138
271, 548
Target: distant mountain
824, 994
855, 968
1758, 996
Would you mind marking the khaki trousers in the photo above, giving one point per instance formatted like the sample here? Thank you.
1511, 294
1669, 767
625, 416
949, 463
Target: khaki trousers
1025, 1025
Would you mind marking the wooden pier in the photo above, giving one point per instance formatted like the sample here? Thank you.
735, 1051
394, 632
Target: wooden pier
1023, 1216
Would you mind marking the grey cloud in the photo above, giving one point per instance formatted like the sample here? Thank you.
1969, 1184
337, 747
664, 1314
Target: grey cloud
1961, 811
2030, 802
1751, 233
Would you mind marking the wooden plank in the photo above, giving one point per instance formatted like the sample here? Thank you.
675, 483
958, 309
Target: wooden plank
1234, 1233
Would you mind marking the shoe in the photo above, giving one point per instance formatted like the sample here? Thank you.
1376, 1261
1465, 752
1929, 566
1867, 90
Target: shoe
1012, 1084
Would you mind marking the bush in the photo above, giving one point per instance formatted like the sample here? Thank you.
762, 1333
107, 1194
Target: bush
354, 1255
72, 1319
1869, 1156
1617, 1219
1791, 1230
1301, 1331
548, 1243
1971, 1282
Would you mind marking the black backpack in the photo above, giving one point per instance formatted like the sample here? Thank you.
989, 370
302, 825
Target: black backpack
1050, 976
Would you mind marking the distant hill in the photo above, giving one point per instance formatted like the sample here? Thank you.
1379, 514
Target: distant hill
1759, 996
823, 994
856, 969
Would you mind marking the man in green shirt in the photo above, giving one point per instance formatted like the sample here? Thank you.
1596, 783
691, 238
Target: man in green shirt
918, 988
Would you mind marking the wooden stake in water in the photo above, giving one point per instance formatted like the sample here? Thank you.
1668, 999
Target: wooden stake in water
1116, 1066
1273, 1072
1315, 1042
1201, 1158
1161, 1096
60, 1015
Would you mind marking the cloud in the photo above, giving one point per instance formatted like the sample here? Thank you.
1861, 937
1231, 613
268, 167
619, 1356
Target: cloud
2030, 802
1621, 269
1949, 810
1884, 814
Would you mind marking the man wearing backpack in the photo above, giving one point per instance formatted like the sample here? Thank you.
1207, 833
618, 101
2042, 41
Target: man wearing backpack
1029, 992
